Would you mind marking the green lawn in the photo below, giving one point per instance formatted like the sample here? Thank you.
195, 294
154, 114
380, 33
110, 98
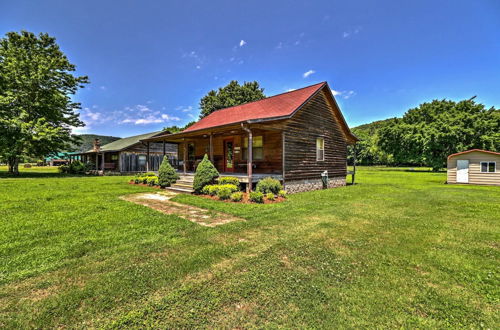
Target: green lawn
399, 249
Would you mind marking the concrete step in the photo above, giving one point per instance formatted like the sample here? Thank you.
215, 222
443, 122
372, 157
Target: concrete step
185, 181
180, 190
183, 185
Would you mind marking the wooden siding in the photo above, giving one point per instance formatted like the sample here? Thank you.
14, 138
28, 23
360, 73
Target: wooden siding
475, 175
314, 120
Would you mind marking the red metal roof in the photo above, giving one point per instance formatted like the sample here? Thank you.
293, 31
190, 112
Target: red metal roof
479, 150
280, 105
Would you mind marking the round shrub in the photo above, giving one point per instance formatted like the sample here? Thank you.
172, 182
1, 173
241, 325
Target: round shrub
256, 197
270, 196
229, 180
167, 175
149, 174
206, 190
213, 189
282, 193
237, 196
224, 192
206, 173
269, 185
152, 180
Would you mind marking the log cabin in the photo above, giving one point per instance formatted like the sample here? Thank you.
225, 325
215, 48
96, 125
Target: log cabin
299, 137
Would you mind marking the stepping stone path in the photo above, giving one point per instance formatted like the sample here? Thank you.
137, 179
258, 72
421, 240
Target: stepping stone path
162, 202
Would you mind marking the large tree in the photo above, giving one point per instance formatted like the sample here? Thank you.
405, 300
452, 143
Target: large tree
426, 135
36, 109
230, 95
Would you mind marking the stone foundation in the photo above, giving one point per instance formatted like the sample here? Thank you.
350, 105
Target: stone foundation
295, 186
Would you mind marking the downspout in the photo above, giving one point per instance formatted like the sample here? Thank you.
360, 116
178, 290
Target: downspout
250, 156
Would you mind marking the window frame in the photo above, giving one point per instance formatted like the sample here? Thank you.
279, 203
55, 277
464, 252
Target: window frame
488, 166
320, 151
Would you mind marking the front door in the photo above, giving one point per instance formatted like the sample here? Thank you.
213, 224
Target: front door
229, 155
463, 171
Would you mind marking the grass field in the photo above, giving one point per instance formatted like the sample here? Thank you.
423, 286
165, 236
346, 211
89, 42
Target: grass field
399, 249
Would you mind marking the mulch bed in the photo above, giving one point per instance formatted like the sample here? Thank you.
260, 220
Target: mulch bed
245, 200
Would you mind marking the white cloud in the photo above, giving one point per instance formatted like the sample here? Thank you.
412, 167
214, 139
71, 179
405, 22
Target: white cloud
279, 45
308, 73
242, 43
198, 67
103, 88
347, 34
343, 94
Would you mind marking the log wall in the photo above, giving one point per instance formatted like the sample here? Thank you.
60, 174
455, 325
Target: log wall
315, 119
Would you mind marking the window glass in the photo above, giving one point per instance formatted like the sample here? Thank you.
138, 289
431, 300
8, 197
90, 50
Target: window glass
142, 160
320, 149
484, 167
491, 167
257, 150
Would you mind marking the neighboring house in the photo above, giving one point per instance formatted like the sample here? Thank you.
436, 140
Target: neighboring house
61, 158
295, 137
474, 166
130, 154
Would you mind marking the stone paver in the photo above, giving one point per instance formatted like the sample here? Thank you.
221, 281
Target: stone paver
161, 202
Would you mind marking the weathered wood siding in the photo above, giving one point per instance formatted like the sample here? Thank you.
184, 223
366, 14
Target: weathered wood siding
314, 120
475, 175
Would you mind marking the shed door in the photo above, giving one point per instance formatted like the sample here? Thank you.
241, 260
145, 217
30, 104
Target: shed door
463, 171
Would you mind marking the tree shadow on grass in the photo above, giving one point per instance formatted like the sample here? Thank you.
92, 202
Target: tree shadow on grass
25, 175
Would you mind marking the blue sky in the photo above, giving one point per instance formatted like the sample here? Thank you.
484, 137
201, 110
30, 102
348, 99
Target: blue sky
150, 62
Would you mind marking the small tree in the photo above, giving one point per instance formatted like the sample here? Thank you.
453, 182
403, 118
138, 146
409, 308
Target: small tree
166, 174
206, 173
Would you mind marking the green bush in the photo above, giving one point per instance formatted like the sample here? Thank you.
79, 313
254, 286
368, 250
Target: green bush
63, 169
76, 167
269, 185
166, 174
213, 189
229, 180
237, 196
152, 180
144, 179
224, 191
270, 196
282, 193
256, 197
206, 173
206, 190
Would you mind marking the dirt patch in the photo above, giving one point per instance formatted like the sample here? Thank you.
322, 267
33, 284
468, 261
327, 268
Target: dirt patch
161, 202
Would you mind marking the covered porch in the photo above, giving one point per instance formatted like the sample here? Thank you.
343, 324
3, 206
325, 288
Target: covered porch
247, 152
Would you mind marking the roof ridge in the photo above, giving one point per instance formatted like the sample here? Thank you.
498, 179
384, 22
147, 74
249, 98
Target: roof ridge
269, 97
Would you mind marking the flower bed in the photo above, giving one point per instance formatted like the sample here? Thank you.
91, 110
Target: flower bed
246, 199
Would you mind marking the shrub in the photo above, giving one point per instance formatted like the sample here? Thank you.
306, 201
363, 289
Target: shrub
152, 180
76, 167
270, 196
282, 193
229, 180
256, 197
213, 189
206, 190
237, 196
144, 179
269, 185
63, 169
206, 173
149, 174
224, 191
166, 174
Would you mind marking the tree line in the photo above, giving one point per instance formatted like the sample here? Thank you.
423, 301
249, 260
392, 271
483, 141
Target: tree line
427, 134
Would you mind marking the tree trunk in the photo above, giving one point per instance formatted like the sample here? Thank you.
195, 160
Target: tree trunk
13, 165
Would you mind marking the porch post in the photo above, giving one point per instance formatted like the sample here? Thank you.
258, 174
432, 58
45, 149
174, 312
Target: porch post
164, 150
147, 156
283, 157
354, 164
250, 159
211, 148
102, 163
97, 161
184, 156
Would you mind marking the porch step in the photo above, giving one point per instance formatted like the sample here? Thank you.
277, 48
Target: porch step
180, 190
184, 180
183, 185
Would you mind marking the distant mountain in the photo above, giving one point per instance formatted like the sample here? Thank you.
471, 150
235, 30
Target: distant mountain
88, 141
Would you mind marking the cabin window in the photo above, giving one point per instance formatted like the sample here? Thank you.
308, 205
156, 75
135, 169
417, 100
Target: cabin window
142, 160
488, 167
320, 149
114, 157
257, 148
